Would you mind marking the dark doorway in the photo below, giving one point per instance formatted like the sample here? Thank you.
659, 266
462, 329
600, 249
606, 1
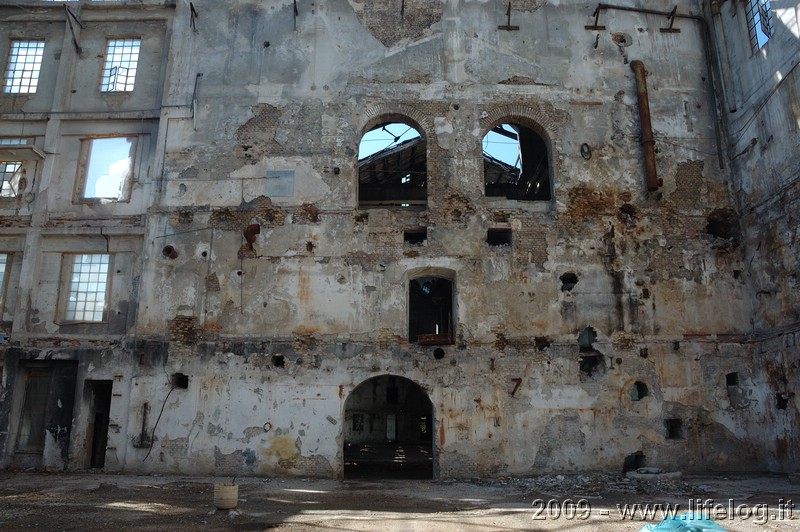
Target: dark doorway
45, 418
388, 430
32, 429
99, 395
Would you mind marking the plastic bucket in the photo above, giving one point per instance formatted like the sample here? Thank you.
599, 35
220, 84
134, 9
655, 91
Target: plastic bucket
226, 496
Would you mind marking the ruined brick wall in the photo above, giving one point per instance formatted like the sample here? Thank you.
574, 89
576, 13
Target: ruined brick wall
615, 322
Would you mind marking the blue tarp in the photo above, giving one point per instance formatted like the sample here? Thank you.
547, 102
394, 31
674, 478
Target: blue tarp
686, 522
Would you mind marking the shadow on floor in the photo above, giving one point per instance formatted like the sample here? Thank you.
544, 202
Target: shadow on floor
388, 460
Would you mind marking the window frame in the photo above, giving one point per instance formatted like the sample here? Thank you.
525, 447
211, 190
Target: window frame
13, 78
6, 141
68, 262
84, 166
110, 64
755, 11
413, 329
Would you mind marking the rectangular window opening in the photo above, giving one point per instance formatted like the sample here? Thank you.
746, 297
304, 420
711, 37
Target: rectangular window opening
430, 317
88, 288
119, 71
415, 236
760, 24
674, 429
498, 237
107, 168
23, 67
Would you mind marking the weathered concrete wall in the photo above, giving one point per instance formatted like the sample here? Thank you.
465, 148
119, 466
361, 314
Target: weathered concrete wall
274, 337
763, 110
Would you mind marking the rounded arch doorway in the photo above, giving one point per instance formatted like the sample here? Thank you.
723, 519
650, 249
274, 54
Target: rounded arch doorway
388, 430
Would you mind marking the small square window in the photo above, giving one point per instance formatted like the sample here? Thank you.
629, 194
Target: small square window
119, 71
88, 287
24, 64
759, 22
106, 168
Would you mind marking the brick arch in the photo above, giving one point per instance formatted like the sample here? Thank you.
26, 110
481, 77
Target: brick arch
396, 112
529, 116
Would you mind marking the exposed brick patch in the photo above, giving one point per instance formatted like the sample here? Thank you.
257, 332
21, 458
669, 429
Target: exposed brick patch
183, 329
182, 217
585, 202
385, 23
236, 219
387, 338
307, 214
518, 80
257, 135
414, 77
15, 221
688, 182
212, 282
527, 5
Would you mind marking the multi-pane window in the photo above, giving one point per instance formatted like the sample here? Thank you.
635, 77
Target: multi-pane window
107, 168
24, 64
86, 299
119, 71
10, 171
759, 22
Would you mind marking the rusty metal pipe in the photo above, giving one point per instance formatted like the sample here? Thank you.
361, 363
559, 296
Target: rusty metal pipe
648, 143
710, 54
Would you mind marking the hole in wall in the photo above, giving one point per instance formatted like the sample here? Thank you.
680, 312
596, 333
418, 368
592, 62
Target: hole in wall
278, 361
723, 223
732, 379
586, 338
782, 400
541, 342
633, 462
639, 391
498, 237
438, 353
674, 429
568, 281
627, 213
169, 252
643, 352
179, 380
591, 366
415, 236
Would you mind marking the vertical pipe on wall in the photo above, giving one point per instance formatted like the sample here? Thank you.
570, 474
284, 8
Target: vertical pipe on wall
648, 143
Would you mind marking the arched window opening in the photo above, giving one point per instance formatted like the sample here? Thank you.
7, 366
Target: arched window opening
430, 317
392, 166
515, 163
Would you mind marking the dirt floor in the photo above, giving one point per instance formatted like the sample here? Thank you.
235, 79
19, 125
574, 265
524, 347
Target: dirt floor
590, 502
